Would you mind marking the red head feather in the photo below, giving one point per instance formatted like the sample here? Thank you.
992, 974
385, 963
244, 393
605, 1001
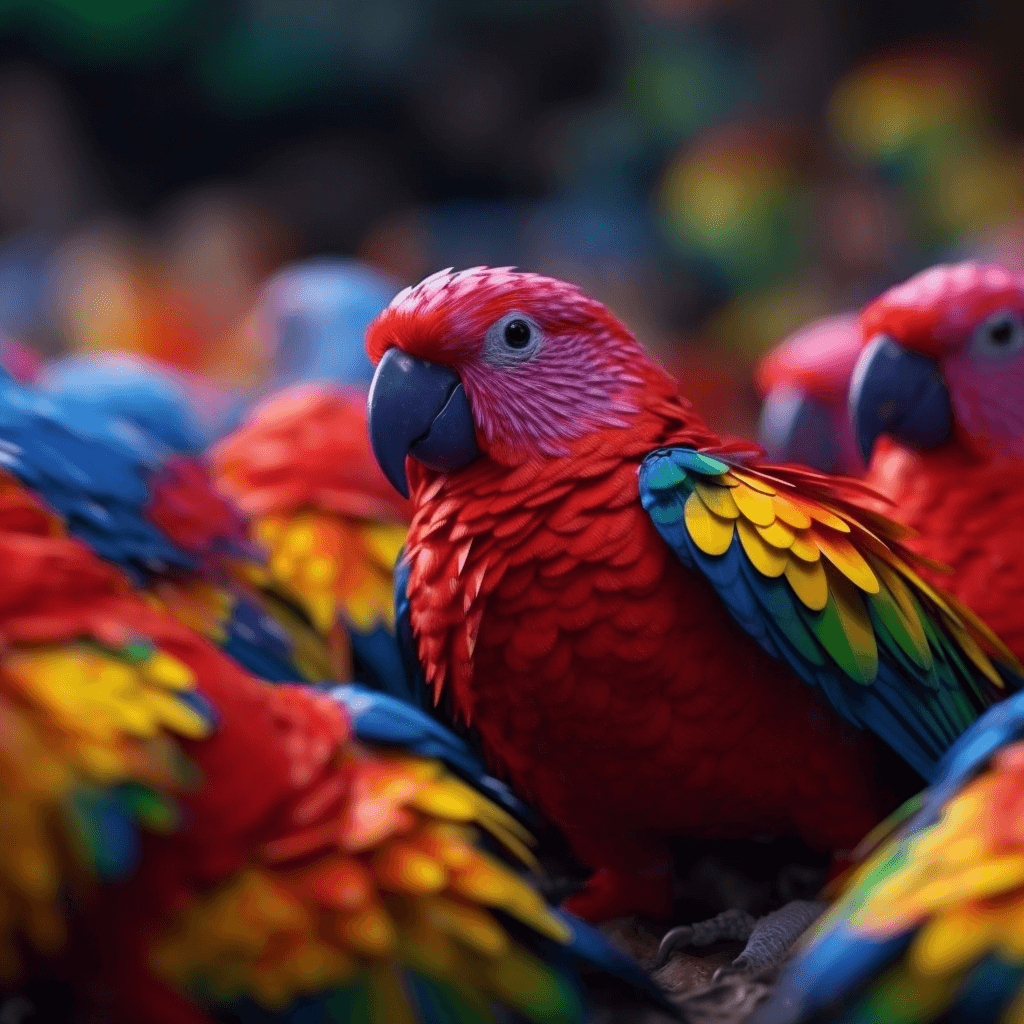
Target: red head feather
817, 359
582, 372
970, 318
936, 311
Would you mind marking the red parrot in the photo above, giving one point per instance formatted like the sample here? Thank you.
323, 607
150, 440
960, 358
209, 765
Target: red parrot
181, 841
654, 633
804, 380
938, 396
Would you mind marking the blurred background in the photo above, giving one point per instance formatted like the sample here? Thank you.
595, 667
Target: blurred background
718, 171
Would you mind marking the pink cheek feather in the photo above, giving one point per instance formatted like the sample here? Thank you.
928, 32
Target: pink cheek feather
544, 406
988, 401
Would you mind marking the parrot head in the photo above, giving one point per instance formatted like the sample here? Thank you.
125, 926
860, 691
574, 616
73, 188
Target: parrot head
312, 316
943, 361
497, 363
805, 380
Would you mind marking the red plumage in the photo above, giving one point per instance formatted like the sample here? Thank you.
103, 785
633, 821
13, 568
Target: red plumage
177, 835
931, 311
188, 508
966, 512
306, 447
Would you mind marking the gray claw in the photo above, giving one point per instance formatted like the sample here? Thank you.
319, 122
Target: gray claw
773, 936
728, 926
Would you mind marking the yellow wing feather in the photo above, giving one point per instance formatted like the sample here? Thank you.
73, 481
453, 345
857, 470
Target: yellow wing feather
419, 891
786, 533
768, 560
959, 882
333, 566
711, 533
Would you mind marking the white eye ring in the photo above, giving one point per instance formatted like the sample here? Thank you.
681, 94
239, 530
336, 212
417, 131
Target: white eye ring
512, 340
1001, 335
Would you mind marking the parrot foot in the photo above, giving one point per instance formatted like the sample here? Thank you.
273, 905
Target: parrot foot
728, 926
768, 939
774, 935
610, 893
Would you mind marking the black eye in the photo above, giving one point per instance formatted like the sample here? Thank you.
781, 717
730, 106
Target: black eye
517, 334
1001, 332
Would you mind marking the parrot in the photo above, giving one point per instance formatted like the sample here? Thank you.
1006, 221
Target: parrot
937, 398
154, 511
183, 842
311, 318
805, 381
301, 467
654, 633
929, 927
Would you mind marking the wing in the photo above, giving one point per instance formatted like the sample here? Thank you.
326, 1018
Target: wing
933, 919
114, 486
92, 718
419, 694
372, 899
339, 572
88, 763
267, 636
384, 720
825, 585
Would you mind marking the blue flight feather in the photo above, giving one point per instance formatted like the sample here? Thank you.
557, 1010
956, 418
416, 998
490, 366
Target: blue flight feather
382, 719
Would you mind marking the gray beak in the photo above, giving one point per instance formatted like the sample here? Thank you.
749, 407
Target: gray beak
899, 393
420, 409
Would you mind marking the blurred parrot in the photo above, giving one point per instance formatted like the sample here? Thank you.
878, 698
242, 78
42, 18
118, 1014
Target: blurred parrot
182, 842
312, 317
153, 510
929, 927
653, 633
804, 380
942, 378
332, 526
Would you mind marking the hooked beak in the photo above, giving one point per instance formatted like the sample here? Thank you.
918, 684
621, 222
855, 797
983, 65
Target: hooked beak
796, 428
899, 393
420, 409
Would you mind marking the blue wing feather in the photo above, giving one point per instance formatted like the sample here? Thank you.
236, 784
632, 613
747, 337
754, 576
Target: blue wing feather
94, 470
419, 694
381, 719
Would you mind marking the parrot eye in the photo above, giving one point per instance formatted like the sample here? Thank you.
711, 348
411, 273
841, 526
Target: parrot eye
513, 339
1001, 335
517, 333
